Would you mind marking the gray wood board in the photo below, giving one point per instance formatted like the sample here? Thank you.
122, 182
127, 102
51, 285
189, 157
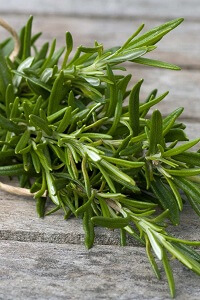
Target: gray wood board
181, 46
52, 271
152, 9
18, 221
183, 87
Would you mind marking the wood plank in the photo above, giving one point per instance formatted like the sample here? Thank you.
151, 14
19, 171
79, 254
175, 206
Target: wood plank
183, 87
26, 226
51, 271
19, 222
193, 131
180, 47
107, 8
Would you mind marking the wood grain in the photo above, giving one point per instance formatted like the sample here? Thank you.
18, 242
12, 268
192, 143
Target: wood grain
51, 271
153, 9
54, 229
183, 87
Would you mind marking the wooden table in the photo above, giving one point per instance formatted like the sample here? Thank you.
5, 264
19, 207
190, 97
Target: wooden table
46, 259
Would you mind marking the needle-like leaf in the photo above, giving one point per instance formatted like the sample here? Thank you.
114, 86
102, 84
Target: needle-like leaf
134, 108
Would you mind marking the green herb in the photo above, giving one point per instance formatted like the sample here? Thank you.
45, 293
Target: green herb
66, 126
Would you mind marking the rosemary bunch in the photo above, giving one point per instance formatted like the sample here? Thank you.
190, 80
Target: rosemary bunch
67, 133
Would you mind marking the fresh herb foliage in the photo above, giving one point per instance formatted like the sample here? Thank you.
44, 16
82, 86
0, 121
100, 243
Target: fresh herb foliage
67, 134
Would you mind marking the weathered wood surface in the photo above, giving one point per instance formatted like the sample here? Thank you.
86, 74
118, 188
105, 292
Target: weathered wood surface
37, 258
50, 271
19, 222
107, 8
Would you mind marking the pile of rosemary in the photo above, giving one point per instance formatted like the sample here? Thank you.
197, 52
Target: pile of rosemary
73, 132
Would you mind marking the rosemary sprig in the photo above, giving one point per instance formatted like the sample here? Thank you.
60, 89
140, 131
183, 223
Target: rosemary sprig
67, 134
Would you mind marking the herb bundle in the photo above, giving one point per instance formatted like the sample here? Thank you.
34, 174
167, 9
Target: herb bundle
68, 134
